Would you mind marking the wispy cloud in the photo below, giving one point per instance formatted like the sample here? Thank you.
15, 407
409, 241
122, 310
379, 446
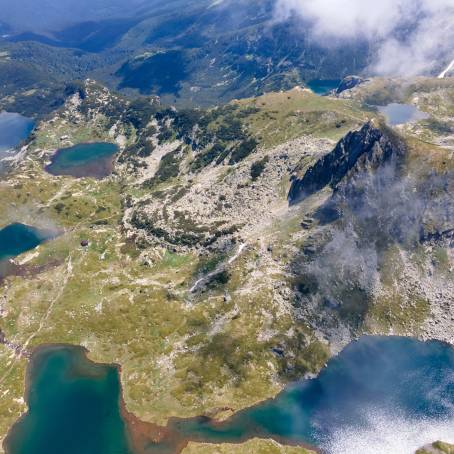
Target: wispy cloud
410, 37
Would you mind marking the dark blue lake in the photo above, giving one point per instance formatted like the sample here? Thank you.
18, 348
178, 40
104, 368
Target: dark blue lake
399, 114
13, 129
84, 160
16, 239
323, 87
381, 395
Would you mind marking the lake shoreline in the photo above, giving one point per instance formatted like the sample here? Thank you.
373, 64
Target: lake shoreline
14, 130
269, 419
68, 161
35, 236
138, 433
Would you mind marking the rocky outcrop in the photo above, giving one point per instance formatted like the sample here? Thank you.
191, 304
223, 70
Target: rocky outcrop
348, 83
209, 209
358, 150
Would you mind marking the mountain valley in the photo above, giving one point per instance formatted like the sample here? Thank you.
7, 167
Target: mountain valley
232, 249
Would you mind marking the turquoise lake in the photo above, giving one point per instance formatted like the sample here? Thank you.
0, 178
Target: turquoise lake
17, 238
73, 407
381, 395
323, 87
84, 160
399, 114
13, 129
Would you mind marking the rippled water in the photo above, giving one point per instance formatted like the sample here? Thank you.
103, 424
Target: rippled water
357, 398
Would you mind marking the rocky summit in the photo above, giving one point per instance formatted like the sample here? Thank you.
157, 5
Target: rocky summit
362, 150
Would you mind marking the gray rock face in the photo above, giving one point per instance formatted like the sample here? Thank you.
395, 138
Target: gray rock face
359, 150
348, 83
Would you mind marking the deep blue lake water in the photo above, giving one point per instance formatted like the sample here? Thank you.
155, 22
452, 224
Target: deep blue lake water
17, 238
13, 129
381, 395
398, 114
323, 87
84, 160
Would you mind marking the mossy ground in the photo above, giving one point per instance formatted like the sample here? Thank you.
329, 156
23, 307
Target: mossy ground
283, 116
255, 446
430, 95
178, 359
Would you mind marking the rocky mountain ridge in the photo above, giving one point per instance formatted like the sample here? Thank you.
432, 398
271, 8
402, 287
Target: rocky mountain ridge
362, 150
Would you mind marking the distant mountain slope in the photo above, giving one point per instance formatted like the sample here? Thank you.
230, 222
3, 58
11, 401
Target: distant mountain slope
49, 15
194, 52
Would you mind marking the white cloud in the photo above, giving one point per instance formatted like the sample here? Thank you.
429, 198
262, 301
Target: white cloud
412, 36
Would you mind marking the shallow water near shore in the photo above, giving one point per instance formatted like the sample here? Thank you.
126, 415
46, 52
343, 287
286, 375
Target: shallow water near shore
84, 160
376, 386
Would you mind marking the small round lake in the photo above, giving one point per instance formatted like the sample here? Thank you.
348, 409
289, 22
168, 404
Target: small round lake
399, 114
323, 87
381, 395
13, 129
84, 160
